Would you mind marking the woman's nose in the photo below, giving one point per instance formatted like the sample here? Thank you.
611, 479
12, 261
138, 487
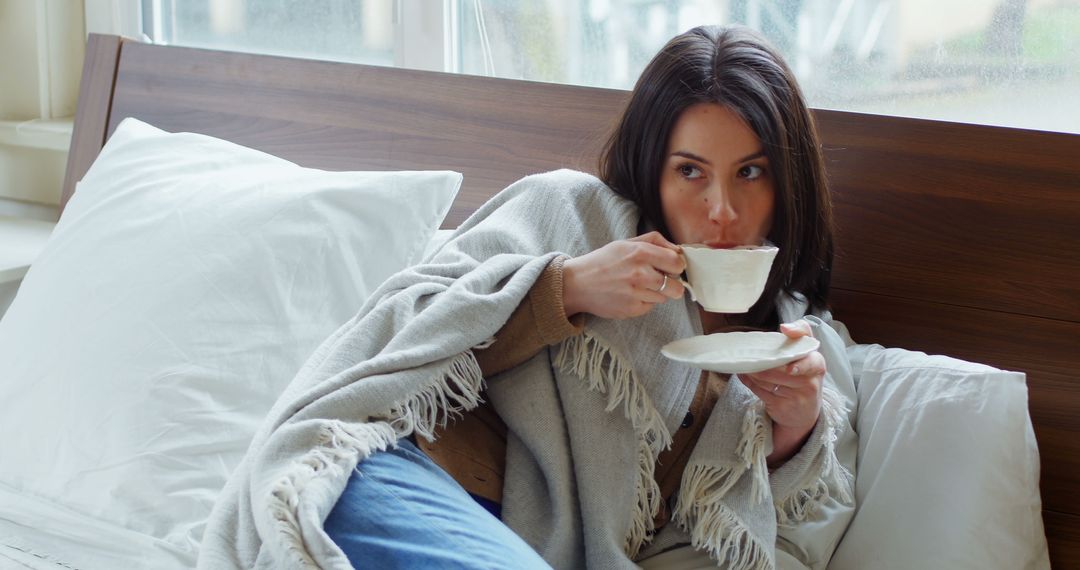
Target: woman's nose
721, 208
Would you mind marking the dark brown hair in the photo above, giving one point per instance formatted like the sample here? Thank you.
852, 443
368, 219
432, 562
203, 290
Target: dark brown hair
737, 68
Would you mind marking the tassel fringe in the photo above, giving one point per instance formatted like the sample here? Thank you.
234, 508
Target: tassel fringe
712, 526
338, 444
813, 491
434, 407
341, 443
700, 510
590, 358
751, 449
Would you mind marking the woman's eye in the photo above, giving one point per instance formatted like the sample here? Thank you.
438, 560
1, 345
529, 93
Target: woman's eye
690, 171
751, 172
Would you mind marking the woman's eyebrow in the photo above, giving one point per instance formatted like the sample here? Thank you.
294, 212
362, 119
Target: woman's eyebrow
749, 157
691, 156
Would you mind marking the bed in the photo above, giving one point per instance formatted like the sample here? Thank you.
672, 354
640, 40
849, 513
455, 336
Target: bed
954, 239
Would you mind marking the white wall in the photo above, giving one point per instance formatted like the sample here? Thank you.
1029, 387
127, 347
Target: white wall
43, 42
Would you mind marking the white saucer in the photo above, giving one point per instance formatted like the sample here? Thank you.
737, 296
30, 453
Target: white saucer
739, 352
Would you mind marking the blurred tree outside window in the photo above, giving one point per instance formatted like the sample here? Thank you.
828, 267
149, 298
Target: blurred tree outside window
1013, 63
357, 31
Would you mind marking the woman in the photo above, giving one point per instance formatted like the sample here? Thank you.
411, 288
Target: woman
557, 296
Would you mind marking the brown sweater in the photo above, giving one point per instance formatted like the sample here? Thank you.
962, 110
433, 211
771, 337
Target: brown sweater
473, 449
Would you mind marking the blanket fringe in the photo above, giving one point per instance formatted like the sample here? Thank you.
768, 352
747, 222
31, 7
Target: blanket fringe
458, 392
751, 449
813, 491
337, 444
714, 527
589, 357
700, 510
340, 443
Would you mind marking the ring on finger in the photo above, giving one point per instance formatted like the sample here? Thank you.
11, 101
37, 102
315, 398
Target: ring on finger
663, 285
775, 387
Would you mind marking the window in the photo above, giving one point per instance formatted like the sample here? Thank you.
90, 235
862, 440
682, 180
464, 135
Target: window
1006, 62
360, 31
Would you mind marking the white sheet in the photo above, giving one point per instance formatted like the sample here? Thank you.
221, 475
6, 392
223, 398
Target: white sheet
65, 539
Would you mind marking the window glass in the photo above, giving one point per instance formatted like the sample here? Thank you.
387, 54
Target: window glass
360, 31
1006, 62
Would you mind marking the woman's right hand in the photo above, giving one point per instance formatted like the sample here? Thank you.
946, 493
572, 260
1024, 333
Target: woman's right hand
622, 279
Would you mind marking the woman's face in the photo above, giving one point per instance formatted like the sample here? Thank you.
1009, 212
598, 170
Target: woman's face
716, 187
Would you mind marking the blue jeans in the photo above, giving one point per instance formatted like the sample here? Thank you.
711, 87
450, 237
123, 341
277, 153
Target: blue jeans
401, 510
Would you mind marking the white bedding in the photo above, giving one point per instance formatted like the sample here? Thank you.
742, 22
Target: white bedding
12, 559
185, 284
62, 534
63, 538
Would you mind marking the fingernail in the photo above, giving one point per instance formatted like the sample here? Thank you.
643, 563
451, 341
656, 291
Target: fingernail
794, 369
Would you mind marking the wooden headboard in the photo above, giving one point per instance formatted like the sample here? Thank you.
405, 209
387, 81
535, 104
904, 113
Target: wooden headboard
954, 239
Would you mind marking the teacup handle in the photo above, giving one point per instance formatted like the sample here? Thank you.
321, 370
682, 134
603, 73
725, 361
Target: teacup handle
693, 296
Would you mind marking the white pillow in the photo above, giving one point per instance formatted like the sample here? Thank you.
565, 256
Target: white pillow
948, 468
184, 286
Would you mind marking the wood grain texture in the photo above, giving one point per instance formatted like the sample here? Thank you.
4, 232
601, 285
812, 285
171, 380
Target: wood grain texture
92, 110
1063, 534
966, 215
340, 116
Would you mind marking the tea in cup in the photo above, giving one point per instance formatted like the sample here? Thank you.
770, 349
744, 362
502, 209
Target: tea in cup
727, 280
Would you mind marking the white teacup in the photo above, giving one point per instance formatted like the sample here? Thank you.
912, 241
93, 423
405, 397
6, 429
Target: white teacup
727, 280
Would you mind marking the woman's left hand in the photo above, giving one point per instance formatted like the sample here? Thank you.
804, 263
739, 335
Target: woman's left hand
792, 395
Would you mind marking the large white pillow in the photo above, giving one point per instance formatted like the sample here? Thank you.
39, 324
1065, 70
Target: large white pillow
184, 286
948, 468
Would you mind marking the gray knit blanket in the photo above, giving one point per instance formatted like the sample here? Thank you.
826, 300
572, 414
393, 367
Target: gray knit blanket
587, 418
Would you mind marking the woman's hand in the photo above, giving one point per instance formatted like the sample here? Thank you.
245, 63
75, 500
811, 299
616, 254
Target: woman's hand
624, 278
792, 396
